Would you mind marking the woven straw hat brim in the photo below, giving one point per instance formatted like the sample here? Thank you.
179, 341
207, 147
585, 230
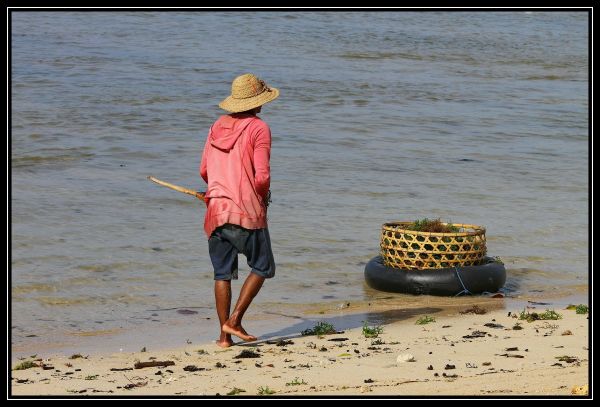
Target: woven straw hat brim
234, 105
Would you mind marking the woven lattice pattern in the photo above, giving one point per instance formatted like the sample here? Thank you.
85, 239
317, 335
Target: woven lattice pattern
414, 250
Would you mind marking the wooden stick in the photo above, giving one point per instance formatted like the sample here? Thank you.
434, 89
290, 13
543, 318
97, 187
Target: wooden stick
154, 363
199, 195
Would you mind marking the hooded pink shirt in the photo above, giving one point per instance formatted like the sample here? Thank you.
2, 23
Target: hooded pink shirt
235, 165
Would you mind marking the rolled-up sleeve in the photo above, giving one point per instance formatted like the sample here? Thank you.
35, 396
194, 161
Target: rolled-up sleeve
262, 156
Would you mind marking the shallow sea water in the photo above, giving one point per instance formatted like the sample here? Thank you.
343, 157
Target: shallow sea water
475, 118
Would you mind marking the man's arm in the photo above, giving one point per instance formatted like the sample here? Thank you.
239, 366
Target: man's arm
262, 156
203, 164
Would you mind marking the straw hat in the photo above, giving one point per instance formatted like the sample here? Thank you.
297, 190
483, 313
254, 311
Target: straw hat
248, 92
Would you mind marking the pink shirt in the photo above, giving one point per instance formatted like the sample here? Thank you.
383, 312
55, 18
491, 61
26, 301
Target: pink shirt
235, 165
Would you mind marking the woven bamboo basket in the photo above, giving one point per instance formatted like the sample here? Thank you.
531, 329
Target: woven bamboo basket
415, 250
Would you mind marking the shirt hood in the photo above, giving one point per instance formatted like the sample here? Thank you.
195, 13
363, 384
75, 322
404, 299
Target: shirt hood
227, 130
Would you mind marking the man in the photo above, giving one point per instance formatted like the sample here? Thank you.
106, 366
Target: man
235, 165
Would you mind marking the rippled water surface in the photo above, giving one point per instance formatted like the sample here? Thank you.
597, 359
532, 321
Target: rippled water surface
476, 118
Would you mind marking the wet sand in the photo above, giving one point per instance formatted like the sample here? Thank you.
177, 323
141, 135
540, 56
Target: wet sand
458, 354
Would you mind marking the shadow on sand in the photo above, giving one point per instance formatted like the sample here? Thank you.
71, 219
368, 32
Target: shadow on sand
344, 322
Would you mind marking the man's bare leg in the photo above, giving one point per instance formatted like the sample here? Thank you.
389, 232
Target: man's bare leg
233, 325
223, 301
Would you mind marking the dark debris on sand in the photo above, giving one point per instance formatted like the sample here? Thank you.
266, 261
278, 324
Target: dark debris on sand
193, 368
280, 342
475, 309
246, 353
476, 334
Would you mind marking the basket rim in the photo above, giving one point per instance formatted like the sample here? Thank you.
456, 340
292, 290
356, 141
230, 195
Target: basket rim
397, 227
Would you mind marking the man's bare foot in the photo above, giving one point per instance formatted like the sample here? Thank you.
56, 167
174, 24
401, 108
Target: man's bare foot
239, 332
224, 343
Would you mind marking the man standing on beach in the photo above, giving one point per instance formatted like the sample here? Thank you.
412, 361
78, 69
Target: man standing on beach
235, 165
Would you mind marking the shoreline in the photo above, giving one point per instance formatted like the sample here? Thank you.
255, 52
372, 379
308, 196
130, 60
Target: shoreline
268, 320
484, 364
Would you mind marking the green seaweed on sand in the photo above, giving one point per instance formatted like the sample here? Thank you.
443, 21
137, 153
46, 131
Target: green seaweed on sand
236, 391
425, 320
579, 309
322, 328
265, 391
371, 332
296, 382
535, 316
28, 364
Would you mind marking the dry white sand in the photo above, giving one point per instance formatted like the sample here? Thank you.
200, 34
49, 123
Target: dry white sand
443, 361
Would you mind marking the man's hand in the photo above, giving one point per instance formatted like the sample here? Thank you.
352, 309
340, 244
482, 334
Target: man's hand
202, 196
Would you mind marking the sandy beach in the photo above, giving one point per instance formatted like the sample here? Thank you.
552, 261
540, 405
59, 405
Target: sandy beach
460, 353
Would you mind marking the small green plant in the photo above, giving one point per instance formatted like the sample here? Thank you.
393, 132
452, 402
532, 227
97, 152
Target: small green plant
371, 332
296, 382
28, 364
265, 391
236, 391
497, 260
526, 316
534, 316
435, 225
322, 328
425, 320
550, 314
91, 377
579, 309
517, 326
377, 342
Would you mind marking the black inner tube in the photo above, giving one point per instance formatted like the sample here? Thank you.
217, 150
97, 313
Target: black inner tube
487, 277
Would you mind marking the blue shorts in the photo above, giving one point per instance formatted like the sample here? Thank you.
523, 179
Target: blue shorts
228, 240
